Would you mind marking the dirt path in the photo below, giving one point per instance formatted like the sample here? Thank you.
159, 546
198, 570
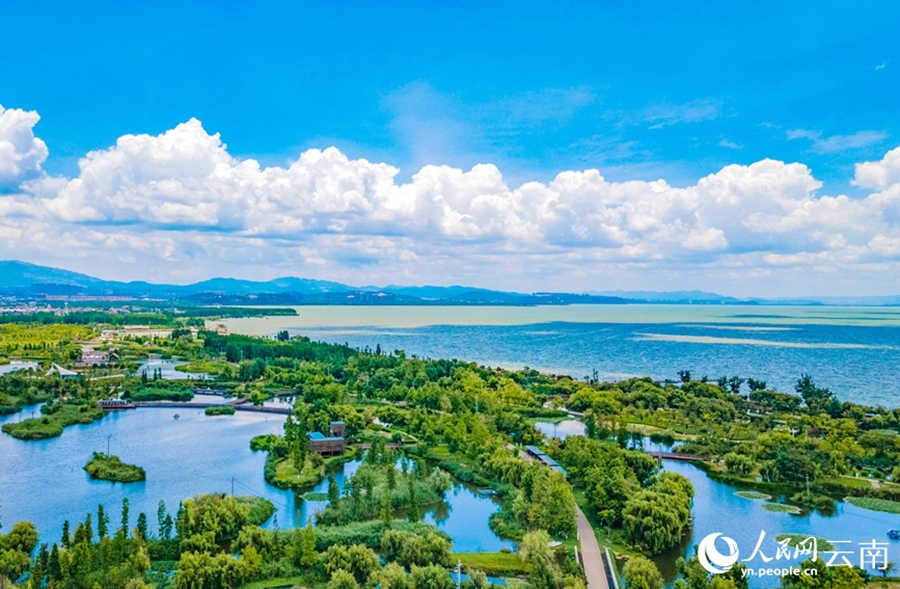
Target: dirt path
590, 553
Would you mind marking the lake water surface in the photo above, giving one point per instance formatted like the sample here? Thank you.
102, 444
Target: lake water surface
43, 481
855, 351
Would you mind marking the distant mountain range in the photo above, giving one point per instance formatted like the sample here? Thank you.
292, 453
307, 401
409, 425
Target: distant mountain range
33, 282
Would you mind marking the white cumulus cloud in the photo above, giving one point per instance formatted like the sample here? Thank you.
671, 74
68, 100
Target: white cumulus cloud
21, 153
179, 206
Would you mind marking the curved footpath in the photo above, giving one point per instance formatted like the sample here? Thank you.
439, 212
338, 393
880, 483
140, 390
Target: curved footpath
594, 569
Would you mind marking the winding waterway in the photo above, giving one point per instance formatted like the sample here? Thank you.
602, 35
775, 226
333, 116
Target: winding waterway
43, 481
718, 509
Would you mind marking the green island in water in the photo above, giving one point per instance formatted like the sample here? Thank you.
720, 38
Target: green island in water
416, 428
111, 468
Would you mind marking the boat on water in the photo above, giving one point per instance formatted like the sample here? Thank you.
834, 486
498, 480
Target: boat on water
176, 416
894, 534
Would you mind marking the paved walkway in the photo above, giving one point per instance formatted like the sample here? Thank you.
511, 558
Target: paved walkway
590, 553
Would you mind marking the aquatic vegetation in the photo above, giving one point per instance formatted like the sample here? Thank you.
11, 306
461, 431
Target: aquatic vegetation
781, 508
111, 468
884, 505
753, 495
220, 410
799, 539
492, 563
56, 417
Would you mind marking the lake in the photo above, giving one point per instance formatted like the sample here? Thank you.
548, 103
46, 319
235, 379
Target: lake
717, 509
854, 351
43, 481
15, 365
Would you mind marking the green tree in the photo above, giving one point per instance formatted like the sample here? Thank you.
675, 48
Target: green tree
412, 509
163, 522
123, 530
363, 562
430, 577
141, 529
657, 517
341, 579
738, 464
333, 492
641, 573
393, 576
386, 512
66, 540
305, 554
102, 522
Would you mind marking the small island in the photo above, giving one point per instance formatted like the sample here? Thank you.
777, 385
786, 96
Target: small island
110, 468
220, 410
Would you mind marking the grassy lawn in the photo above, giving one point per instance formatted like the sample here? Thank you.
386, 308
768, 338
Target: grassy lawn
300, 581
285, 471
679, 432
496, 564
846, 481
441, 451
206, 366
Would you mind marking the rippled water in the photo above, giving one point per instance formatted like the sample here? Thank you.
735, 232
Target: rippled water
853, 351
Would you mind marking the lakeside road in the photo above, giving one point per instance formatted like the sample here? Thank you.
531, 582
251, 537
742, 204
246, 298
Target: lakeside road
590, 553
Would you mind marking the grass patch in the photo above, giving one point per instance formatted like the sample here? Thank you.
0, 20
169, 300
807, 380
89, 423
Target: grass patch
286, 476
884, 505
753, 495
206, 367
260, 509
52, 424
298, 581
220, 410
496, 564
850, 482
160, 394
111, 468
795, 539
781, 508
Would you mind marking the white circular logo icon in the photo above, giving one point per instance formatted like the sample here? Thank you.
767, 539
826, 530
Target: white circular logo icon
714, 561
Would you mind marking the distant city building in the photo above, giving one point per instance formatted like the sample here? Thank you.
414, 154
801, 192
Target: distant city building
91, 357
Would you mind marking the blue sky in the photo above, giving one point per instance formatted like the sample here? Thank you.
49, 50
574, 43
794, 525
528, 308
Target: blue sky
639, 91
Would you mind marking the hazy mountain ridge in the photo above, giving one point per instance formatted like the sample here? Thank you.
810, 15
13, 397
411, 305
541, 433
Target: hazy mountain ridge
31, 280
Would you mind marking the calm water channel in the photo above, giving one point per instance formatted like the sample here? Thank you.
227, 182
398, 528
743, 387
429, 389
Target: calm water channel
43, 481
718, 509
